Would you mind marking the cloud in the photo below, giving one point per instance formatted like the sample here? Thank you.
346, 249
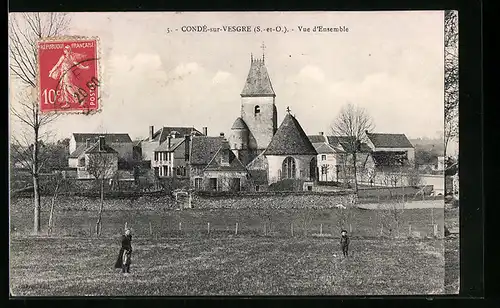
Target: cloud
220, 77
311, 72
186, 69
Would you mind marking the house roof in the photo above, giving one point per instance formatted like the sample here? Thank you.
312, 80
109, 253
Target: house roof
317, 138
234, 163
162, 134
323, 148
389, 159
290, 139
79, 150
203, 149
389, 140
239, 124
174, 143
110, 138
94, 148
345, 143
258, 82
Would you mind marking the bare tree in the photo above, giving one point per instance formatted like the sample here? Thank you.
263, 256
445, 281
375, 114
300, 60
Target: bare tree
58, 178
353, 122
451, 78
101, 165
25, 30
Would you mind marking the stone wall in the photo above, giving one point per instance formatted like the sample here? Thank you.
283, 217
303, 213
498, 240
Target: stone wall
270, 200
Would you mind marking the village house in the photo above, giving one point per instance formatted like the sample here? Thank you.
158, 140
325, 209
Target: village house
213, 165
171, 158
391, 143
120, 142
155, 139
97, 158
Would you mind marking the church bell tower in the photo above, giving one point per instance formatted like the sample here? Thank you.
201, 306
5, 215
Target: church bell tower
258, 109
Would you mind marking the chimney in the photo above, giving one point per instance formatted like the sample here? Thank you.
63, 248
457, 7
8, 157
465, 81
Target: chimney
102, 143
87, 143
321, 133
169, 140
151, 132
205, 131
187, 141
222, 135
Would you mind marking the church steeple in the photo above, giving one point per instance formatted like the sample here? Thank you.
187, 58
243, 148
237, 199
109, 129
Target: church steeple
258, 82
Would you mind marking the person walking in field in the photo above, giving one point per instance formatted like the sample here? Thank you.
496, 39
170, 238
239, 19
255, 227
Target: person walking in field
344, 243
124, 257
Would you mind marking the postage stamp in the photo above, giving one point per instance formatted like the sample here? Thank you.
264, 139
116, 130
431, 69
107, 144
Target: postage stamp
68, 73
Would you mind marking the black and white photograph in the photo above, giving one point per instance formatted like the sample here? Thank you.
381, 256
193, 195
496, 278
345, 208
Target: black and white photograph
233, 153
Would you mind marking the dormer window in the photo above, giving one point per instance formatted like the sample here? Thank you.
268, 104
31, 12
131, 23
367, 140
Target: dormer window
256, 110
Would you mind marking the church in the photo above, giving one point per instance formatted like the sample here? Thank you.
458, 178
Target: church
257, 153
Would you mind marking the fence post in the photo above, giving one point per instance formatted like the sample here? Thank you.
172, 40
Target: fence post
435, 230
125, 225
265, 230
150, 229
381, 230
291, 227
236, 229
208, 228
180, 226
90, 228
409, 229
321, 229
350, 228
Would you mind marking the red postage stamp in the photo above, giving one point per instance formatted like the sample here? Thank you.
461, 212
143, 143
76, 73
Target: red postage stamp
68, 75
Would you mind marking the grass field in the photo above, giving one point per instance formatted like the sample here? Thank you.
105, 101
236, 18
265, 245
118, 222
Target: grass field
452, 253
165, 223
226, 266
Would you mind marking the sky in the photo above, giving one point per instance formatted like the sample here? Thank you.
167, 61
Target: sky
390, 63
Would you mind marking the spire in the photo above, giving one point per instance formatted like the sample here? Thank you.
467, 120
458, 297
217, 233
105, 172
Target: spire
258, 82
263, 46
251, 57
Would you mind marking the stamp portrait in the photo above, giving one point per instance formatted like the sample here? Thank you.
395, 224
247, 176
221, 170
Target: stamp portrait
68, 75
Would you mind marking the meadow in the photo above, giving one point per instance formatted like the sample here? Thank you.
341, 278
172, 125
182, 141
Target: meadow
199, 252
226, 266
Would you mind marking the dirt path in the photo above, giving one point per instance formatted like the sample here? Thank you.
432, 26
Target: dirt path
408, 205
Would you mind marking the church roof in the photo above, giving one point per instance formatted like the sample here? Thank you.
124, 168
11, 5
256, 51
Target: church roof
258, 82
317, 138
239, 124
290, 139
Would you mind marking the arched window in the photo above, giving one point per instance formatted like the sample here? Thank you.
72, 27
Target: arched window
256, 110
313, 165
288, 168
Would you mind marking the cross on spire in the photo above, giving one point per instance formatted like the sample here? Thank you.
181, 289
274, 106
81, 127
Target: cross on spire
288, 109
263, 47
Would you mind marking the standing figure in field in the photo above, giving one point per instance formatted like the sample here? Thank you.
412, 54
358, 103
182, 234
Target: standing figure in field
344, 243
124, 257
63, 71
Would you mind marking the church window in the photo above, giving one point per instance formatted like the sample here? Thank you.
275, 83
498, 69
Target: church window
323, 157
289, 168
256, 110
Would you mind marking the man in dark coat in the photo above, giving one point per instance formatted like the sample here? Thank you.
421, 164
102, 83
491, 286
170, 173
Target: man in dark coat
124, 257
344, 243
